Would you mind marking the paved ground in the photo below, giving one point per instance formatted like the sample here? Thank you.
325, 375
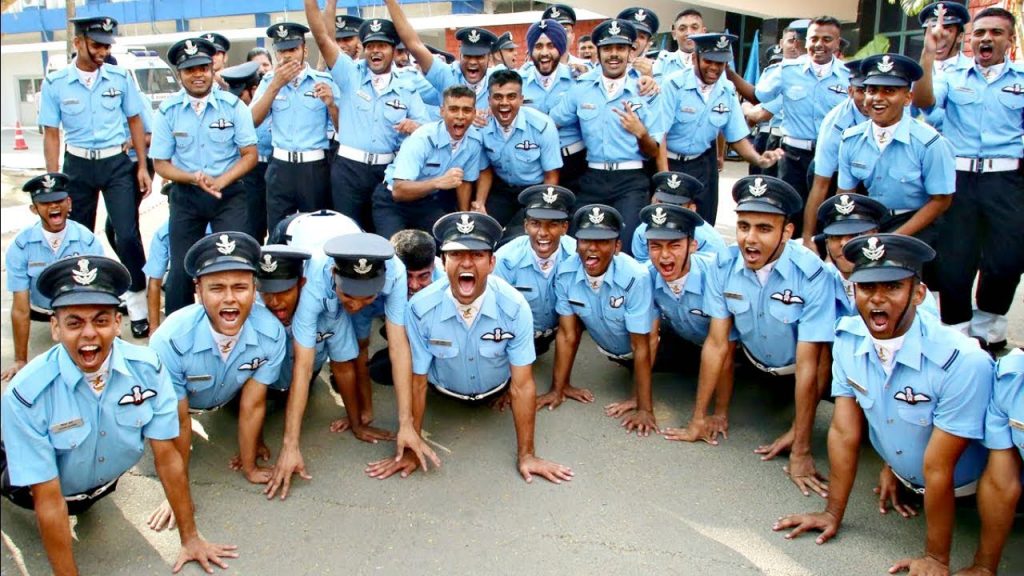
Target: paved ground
636, 505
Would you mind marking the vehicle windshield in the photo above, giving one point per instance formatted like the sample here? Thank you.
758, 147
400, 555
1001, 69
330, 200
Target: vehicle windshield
156, 80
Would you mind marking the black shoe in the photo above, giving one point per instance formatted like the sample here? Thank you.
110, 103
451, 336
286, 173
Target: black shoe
140, 328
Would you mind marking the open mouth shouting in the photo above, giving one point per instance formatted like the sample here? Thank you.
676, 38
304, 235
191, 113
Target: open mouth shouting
230, 316
878, 321
986, 53
466, 285
751, 254
55, 218
544, 247
89, 354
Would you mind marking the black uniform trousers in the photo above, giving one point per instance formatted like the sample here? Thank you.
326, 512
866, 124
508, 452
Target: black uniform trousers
573, 168
118, 182
793, 169
21, 496
503, 203
296, 187
390, 216
352, 186
628, 191
983, 231
705, 169
255, 183
192, 209
108, 228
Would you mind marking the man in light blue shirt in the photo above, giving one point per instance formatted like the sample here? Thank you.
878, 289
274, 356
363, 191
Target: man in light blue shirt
302, 102
984, 123
780, 300
203, 142
922, 388
621, 128
224, 346
471, 338
520, 150
528, 263
434, 171
100, 109
77, 417
52, 238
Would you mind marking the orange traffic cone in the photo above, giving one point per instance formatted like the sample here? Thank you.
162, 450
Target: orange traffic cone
19, 137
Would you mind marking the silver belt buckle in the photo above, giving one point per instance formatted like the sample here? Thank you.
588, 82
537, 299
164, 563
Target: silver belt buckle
93, 154
371, 159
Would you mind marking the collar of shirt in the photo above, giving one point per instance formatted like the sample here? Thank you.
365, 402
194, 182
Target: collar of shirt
89, 79
98, 380
820, 70
54, 239
71, 374
613, 87
897, 132
468, 312
546, 265
546, 82
225, 344
380, 82
595, 282
783, 264
948, 63
765, 272
886, 350
912, 348
677, 286
991, 73
882, 135
847, 287
703, 89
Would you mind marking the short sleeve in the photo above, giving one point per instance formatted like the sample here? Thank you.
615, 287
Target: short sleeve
640, 304
245, 132
550, 152
274, 348
421, 357
818, 319
520, 350
164, 425
31, 459
938, 167
161, 145
17, 270
964, 398
161, 344
412, 156
847, 181
49, 104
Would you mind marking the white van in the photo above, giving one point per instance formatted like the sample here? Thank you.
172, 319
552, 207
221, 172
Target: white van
152, 75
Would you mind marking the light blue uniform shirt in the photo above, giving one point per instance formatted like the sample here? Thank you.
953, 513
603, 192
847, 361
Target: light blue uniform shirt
918, 163
535, 96
530, 151
210, 143
368, 119
186, 346
297, 108
940, 378
830, 136
31, 253
622, 306
159, 257
265, 139
775, 105
797, 304
54, 425
427, 153
694, 123
320, 319
587, 105
983, 120
709, 241
806, 98
685, 315
936, 116
415, 81
284, 379
668, 63
93, 119
475, 359
443, 75
1004, 420
390, 303
146, 114
516, 263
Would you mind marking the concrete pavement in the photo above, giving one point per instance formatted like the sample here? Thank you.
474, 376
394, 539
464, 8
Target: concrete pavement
636, 505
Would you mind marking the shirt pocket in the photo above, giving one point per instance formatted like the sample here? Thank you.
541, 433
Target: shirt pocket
72, 106
111, 102
222, 135
587, 112
919, 414
742, 315
785, 313
443, 352
530, 156
196, 383
862, 173
963, 96
280, 104
905, 175
1011, 100
182, 140
313, 103
797, 92
131, 419
395, 115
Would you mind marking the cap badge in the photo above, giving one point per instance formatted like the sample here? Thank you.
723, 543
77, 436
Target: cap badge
549, 196
640, 15
269, 264
190, 48
659, 217
339, 23
473, 37
208, 37
554, 13
362, 268
758, 188
48, 182
375, 26
673, 182
84, 275
225, 245
723, 43
466, 226
107, 25
874, 250
845, 205
614, 29
885, 65
542, 25
282, 32
596, 216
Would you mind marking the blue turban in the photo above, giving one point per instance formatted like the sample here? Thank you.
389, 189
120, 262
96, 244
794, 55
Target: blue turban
550, 28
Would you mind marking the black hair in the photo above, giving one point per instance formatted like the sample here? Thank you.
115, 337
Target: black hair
415, 248
585, 38
997, 12
458, 91
257, 51
502, 77
688, 12
826, 21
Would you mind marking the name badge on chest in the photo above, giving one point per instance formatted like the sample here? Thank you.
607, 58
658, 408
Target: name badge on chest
75, 423
199, 378
439, 342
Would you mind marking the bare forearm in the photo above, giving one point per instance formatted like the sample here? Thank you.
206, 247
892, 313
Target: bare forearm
261, 107
998, 494
247, 161
843, 454
401, 371
551, 177
712, 356
814, 199
169, 171
419, 400
743, 88
746, 151
806, 400
923, 93
483, 186
183, 443
642, 372
332, 111
298, 395
463, 195
173, 476
51, 148
410, 190
138, 133
55, 530
649, 146
524, 413
21, 321
723, 392
153, 291
940, 512
251, 412
926, 215
345, 377
409, 36
566, 346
